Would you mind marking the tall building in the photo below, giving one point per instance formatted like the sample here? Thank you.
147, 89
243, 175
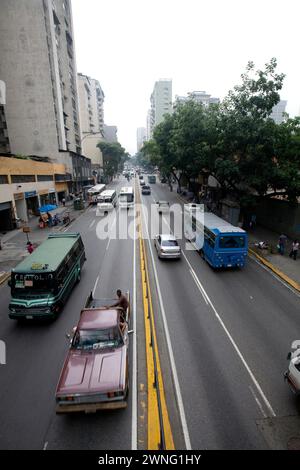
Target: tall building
277, 112
140, 137
198, 97
110, 133
148, 128
38, 66
161, 102
91, 99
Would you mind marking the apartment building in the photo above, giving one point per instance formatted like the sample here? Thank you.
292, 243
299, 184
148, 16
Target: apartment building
38, 67
199, 97
91, 99
161, 102
141, 137
278, 112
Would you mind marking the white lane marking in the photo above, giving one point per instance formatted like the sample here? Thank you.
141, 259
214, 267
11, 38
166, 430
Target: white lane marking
203, 293
170, 348
240, 355
92, 223
258, 402
134, 351
256, 383
45, 446
95, 285
252, 257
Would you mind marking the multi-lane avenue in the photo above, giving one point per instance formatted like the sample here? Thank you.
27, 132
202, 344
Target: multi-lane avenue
222, 337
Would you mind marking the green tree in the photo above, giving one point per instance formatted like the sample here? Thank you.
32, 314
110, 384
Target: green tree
114, 157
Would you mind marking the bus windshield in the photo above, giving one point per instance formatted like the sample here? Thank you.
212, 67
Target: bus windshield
126, 198
231, 241
32, 283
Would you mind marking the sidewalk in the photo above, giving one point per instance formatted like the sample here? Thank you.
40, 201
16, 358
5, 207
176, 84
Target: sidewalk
14, 242
285, 267
282, 263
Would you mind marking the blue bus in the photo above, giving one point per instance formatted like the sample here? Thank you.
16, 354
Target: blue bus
221, 244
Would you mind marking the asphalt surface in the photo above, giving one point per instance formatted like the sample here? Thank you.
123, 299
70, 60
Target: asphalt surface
230, 332
36, 352
230, 337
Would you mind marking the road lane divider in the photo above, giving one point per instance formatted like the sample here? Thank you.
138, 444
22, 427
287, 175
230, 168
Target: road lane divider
160, 435
178, 394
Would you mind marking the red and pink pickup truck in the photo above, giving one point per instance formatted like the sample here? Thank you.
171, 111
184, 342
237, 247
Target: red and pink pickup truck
95, 373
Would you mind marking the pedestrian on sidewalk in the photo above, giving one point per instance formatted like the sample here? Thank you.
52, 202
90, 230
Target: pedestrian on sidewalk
281, 243
294, 250
30, 247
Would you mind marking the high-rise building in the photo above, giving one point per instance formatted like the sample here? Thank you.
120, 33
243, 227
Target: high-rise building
198, 97
38, 67
110, 133
277, 112
91, 99
140, 137
161, 102
148, 128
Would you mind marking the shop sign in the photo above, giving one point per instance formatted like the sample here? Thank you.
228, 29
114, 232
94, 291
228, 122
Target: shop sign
18, 196
30, 194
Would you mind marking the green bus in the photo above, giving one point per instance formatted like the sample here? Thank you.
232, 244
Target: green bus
42, 282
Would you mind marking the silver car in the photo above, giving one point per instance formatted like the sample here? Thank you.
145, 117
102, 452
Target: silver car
167, 246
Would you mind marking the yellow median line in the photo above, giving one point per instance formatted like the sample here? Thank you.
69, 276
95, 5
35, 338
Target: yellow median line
277, 271
154, 434
4, 278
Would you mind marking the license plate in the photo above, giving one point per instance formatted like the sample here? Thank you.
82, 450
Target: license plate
29, 317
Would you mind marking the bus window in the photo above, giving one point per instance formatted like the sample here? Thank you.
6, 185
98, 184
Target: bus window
232, 242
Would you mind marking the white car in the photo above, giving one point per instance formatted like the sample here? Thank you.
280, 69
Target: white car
292, 375
163, 207
167, 246
142, 182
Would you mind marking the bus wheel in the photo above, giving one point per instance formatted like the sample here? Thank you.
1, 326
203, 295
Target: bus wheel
78, 277
201, 253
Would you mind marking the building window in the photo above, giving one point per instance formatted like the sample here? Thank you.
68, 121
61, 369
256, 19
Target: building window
45, 177
3, 179
23, 179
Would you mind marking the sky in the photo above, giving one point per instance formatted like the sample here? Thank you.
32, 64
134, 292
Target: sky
201, 44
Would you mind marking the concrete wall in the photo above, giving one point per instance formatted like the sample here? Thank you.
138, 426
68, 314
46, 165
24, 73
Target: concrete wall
91, 150
280, 217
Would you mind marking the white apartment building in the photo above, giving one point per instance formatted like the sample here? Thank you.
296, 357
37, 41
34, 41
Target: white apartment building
277, 112
161, 102
91, 99
198, 97
141, 137
38, 67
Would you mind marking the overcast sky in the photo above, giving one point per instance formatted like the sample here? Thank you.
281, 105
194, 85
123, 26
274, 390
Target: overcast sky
201, 44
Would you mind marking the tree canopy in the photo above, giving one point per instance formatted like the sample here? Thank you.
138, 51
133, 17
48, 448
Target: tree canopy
114, 156
236, 141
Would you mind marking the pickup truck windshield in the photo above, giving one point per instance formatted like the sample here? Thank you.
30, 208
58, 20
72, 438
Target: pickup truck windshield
97, 339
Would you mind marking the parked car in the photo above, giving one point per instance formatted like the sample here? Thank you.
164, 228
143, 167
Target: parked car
163, 207
95, 373
167, 246
292, 375
146, 190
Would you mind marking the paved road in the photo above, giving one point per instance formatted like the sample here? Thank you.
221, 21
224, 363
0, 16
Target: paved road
230, 333
35, 354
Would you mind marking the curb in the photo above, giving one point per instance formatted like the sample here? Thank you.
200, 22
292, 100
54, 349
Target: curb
4, 278
273, 268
